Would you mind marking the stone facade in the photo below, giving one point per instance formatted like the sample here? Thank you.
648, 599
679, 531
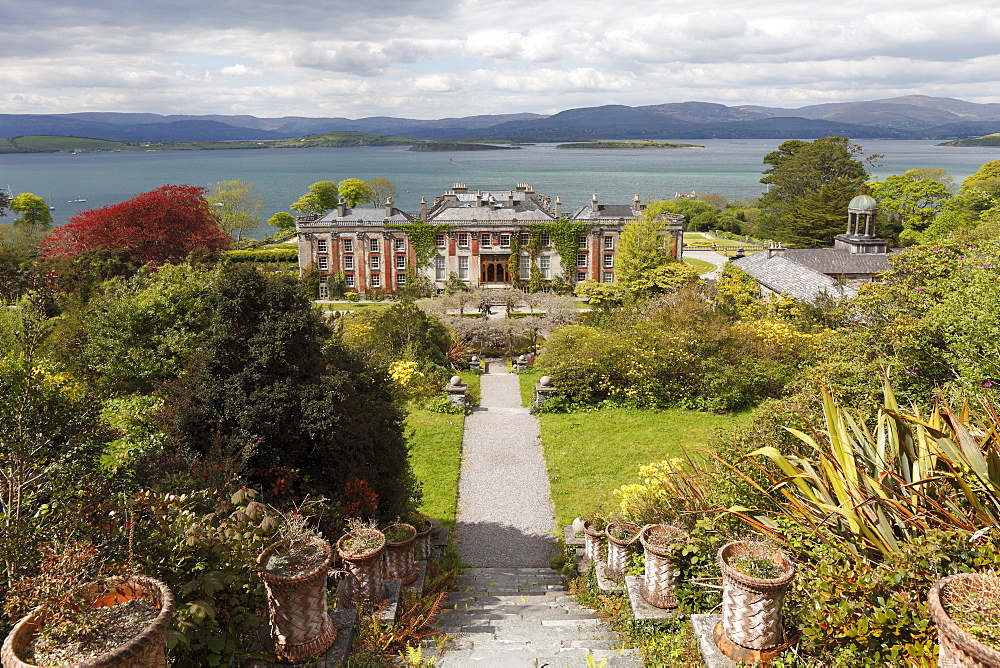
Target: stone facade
477, 232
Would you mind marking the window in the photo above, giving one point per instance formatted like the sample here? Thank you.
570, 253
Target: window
609, 261
324, 290
524, 267
608, 277
581, 260
323, 264
376, 280
463, 239
400, 245
486, 239
400, 280
349, 262
321, 245
348, 245
374, 262
544, 262
439, 268
504, 241
581, 276
463, 268
439, 240
609, 243
545, 241
400, 262
523, 238
373, 244
583, 242
349, 280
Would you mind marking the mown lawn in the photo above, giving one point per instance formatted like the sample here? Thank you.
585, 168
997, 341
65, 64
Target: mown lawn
701, 266
435, 457
591, 454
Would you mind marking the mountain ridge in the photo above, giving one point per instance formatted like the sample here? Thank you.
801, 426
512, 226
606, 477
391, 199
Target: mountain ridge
904, 117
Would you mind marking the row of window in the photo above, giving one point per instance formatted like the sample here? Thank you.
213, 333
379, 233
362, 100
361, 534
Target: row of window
485, 239
375, 262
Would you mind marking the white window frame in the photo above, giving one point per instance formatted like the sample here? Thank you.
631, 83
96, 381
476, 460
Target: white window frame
581, 260
524, 238
324, 290
609, 261
439, 240
608, 277
373, 244
439, 268
504, 241
400, 262
545, 264
348, 262
321, 245
463, 267
349, 280
581, 276
486, 239
374, 262
348, 245
400, 245
463, 239
545, 240
524, 267
582, 244
609, 243
376, 280
400, 280
323, 263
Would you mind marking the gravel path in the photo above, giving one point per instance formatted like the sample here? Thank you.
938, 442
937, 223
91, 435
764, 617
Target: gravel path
505, 516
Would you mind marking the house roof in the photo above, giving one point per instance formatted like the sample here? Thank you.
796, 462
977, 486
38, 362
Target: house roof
362, 215
833, 261
461, 212
605, 212
786, 276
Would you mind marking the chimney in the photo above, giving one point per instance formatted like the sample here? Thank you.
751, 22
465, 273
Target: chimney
423, 209
593, 204
510, 198
558, 207
341, 208
635, 202
775, 250
460, 188
388, 206
479, 198
493, 202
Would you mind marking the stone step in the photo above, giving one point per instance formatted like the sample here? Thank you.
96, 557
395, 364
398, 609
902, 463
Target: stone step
516, 658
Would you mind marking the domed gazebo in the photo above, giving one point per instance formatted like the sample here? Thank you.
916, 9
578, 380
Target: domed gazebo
860, 236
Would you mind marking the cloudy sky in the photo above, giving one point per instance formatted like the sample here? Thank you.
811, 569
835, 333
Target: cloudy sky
442, 58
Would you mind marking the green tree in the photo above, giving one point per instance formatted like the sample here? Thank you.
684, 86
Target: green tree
809, 187
283, 221
354, 191
236, 205
321, 197
4, 202
641, 248
910, 201
34, 212
380, 189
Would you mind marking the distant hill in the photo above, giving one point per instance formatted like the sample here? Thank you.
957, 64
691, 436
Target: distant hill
907, 117
986, 140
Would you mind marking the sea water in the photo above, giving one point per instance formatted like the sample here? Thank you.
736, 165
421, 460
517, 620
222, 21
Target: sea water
731, 168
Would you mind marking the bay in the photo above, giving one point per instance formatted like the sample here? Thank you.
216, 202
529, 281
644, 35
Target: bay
729, 167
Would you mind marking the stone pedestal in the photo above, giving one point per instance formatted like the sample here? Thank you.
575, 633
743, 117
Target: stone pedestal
641, 610
389, 605
543, 390
458, 391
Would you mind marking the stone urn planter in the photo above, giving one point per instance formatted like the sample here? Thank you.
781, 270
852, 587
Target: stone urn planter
594, 539
399, 541
422, 545
958, 605
659, 576
295, 583
147, 649
361, 551
621, 536
755, 579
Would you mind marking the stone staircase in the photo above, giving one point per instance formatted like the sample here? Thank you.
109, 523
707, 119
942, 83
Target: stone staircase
523, 617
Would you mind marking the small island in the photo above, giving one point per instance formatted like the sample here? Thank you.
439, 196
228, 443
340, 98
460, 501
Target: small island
985, 140
459, 146
640, 143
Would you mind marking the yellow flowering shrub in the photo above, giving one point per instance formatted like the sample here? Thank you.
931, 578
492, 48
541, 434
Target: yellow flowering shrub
668, 491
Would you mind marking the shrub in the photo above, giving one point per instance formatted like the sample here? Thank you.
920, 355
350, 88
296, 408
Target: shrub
263, 255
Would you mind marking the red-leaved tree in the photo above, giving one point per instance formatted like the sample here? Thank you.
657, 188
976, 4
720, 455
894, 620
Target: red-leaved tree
163, 225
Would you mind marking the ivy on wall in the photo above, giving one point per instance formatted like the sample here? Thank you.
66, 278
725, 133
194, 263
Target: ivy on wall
423, 240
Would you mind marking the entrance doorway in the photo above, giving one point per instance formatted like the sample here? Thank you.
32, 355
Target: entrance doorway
493, 269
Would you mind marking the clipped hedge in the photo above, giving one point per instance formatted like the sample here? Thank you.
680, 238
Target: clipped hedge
264, 255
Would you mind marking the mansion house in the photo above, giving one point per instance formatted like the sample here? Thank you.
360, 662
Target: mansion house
482, 238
